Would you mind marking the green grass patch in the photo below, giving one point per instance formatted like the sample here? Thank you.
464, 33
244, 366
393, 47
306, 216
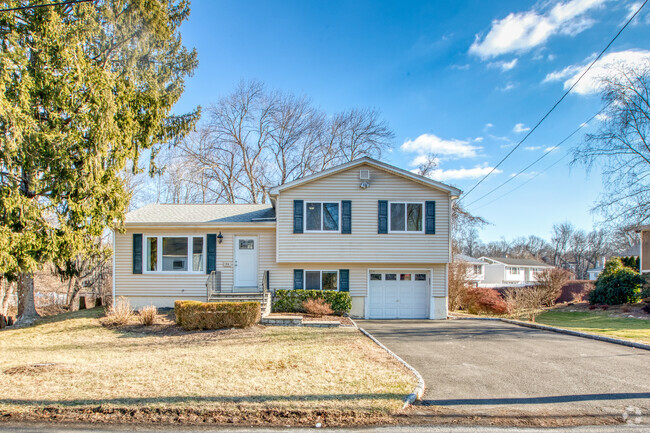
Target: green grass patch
599, 323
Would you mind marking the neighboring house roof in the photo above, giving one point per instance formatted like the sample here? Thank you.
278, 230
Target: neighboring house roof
455, 192
517, 262
201, 213
468, 259
598, 269
634, 250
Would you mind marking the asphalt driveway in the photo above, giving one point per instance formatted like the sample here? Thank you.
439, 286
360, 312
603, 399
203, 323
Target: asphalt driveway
488, 367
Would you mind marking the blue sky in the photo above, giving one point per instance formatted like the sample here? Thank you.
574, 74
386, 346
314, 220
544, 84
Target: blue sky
461, 79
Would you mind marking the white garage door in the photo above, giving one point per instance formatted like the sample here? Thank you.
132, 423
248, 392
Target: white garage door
398, 295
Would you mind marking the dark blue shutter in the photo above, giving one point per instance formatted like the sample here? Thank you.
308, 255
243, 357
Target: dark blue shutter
346, 217
137, 253
382, 222
297, 216
344, 280
430, 218
211, 253
297, 279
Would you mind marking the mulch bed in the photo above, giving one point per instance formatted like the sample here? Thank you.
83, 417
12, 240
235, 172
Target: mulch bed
345, 321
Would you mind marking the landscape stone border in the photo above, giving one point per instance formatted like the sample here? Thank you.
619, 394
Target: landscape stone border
418, 392
560, 331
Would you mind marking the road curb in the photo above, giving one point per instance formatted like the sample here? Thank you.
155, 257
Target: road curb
578, 334
418, 392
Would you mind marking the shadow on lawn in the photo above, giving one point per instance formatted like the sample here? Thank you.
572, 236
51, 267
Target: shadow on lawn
538, 400
211, 399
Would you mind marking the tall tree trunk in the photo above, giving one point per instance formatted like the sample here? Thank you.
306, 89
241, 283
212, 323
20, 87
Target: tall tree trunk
26, 305
6, 291
75, 291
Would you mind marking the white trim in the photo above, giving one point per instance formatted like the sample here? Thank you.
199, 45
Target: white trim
405, 231
366, 306
372, 162
113, 276
190, 252
235, 246
322, 216
200, 225
338, 278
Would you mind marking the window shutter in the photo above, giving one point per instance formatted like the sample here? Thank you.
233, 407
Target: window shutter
211, 253
344, 280
430, 218
137, 253
297, 216
297, 279
346, 216
382, 222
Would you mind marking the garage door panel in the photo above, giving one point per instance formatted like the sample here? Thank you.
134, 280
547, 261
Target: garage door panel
398, 297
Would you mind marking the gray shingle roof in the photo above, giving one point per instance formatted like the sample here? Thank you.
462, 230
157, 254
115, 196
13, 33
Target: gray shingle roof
518, 262
201, 213
468, 259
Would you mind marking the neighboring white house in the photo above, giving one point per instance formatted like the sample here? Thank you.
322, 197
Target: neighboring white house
475, 268
377, 231
504, 271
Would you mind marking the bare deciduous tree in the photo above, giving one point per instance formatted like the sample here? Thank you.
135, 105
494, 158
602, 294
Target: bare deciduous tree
621, 145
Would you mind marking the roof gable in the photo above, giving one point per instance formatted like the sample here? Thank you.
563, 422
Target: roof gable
455, 192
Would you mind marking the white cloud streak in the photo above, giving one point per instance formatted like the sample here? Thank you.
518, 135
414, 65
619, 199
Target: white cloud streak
429, 143
519, 128
522, 31
607, 66
503, 65
463, 173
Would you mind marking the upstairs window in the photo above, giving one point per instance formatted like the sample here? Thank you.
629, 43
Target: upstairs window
406, 217
322, 216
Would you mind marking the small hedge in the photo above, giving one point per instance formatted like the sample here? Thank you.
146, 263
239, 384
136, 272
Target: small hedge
290, 301
215, 315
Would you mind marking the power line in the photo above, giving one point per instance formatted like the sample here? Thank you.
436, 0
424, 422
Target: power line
45, 5
559, 101
551, 149
519, 186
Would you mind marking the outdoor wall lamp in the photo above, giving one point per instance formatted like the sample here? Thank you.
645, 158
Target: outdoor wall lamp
220, 237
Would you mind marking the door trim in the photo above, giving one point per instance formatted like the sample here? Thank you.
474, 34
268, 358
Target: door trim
366, 306
235, 247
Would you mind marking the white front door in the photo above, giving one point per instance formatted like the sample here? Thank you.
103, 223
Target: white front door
245, 263
398, 295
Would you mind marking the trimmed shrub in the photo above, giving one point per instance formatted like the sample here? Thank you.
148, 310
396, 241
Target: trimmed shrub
617, 284
575, 291
216, 315
481, 300
291, 301
120, 314
147, 315
317, 307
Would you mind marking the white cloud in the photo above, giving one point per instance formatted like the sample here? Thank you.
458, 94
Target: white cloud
519, 128
607, 66
463, 173
509, 86
532, 148
489, 125
422, 159
430, 143
522, 31
503, 65
602, 117
478, 139
460, 67
550, 149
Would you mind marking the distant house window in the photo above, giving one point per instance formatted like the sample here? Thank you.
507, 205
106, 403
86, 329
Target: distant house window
322, 216
406, 217
514, 271
477, 269
174, 253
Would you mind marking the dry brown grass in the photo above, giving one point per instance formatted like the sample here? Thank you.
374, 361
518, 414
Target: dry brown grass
147, 315
254, 369
119, 314
317, 307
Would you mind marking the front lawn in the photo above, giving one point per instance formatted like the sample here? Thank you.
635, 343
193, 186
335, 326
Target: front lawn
599, 323
70, 364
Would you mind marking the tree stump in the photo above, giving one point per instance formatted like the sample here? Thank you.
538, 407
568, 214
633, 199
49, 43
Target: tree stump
98, 301
82, 302
10, 320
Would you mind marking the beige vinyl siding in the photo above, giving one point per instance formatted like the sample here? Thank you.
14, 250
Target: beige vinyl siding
364, 244
186, 285
282, 276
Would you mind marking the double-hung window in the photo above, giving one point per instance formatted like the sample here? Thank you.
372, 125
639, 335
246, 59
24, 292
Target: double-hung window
406, 217
322, 216
175, 254
321, 280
